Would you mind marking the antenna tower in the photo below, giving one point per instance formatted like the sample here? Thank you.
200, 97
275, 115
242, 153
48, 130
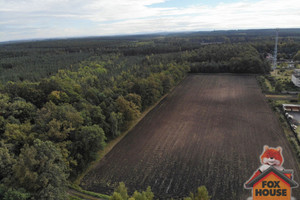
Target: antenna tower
275, 51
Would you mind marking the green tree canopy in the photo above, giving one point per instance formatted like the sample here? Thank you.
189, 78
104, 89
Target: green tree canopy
7, 160
87, 142
40, 169
201, 194
297, 56
121, 193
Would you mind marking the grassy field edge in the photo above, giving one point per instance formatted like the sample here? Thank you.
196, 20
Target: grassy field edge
275, 106
110, 145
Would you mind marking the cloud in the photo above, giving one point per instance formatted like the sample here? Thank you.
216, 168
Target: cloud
22, 19
240, 15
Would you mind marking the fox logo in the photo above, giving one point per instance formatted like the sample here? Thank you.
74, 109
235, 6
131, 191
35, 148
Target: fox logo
269, 157
271, 180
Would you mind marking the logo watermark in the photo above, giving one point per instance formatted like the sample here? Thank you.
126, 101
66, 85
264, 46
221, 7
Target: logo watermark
271, 181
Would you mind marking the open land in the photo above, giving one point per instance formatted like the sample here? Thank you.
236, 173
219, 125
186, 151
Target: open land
210, 130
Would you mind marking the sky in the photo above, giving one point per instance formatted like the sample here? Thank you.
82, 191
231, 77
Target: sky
35, 19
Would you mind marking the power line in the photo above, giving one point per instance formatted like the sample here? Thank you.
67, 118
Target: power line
275, 51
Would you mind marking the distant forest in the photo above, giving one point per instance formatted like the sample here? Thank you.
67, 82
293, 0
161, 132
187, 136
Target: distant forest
61, 101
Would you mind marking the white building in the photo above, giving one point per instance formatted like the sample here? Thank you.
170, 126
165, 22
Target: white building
296, 77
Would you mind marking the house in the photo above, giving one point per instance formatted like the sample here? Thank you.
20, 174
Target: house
272, 184
296, 77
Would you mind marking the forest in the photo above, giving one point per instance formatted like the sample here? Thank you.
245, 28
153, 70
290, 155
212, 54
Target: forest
61, 101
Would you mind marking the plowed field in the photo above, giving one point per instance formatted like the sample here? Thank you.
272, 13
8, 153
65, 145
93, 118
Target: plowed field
210, 130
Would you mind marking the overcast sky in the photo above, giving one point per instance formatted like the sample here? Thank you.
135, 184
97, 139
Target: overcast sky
27, 19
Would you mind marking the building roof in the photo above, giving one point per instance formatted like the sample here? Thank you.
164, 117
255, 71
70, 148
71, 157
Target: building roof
291, 105
291, 182
296, 75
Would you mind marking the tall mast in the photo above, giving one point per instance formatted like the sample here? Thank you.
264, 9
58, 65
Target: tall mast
275, 51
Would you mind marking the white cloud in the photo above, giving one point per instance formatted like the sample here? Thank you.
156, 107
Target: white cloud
57, 18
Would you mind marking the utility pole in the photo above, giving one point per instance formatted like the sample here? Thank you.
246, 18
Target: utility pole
275, 51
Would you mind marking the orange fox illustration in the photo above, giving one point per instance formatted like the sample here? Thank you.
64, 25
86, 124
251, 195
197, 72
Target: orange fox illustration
269, 157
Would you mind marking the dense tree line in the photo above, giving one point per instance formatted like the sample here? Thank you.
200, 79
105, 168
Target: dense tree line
35, 60
233, 58
52, 129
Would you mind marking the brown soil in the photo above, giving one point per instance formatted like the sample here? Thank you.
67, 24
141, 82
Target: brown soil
209, 131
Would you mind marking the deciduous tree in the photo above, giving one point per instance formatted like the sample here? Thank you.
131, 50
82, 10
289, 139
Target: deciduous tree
40, 169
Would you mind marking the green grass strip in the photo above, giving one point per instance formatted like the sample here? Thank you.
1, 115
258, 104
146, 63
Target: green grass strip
94, 194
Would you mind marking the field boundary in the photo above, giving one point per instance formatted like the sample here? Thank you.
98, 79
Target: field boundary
275, 107
110, 145
75, 191
74, 194
290, 135
207, 125
224, 74
288, 132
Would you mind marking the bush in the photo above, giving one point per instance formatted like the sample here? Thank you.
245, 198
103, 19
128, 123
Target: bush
121, 193
201, 194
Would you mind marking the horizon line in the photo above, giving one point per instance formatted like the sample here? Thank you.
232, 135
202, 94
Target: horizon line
134, 34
